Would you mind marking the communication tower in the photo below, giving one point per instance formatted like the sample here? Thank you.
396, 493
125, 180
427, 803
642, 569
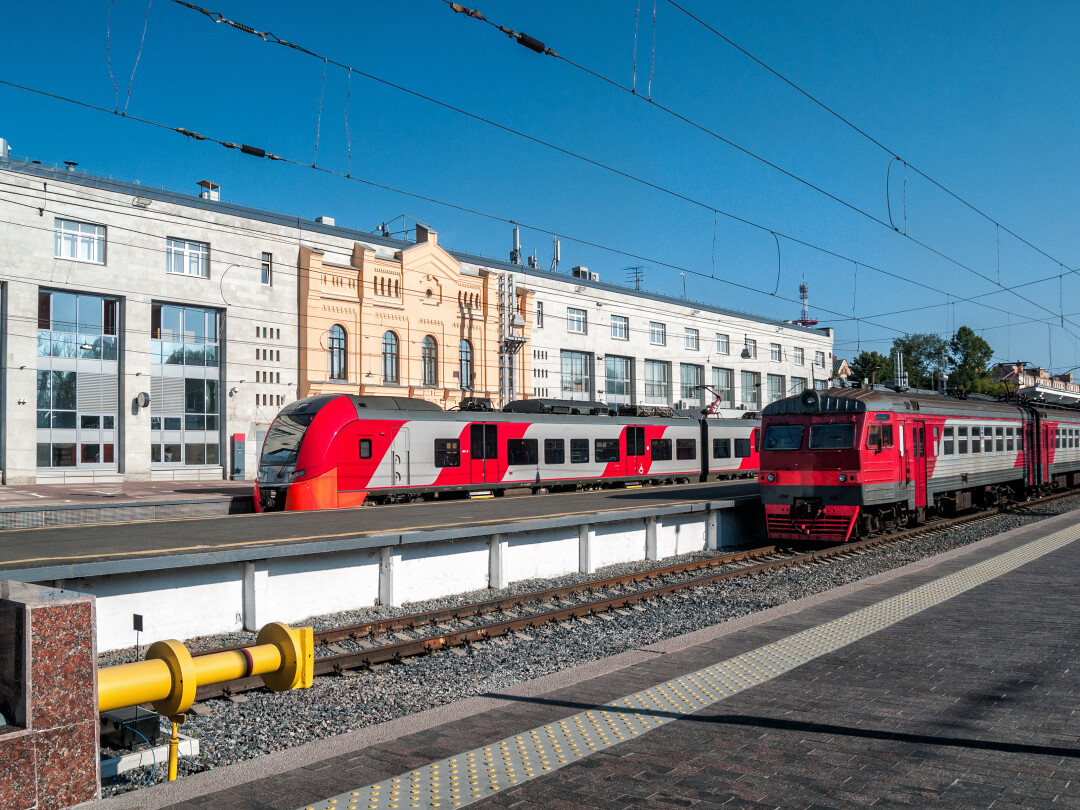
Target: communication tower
804, 296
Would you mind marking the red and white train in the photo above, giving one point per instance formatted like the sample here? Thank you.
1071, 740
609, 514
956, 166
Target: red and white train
338, 450
849, 462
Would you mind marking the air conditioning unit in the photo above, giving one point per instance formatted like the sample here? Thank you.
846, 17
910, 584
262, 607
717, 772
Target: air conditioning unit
594, 276
580, 272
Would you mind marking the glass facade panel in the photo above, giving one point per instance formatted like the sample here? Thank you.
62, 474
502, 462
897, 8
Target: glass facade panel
692, 378
777, 390
618, 380
657, 382
751, 391
576, 375
724, 383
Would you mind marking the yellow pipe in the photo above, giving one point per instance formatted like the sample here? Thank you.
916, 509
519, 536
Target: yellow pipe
228, 666
174, 749
131, 684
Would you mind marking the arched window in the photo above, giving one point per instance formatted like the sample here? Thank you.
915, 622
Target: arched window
338, 350
429, 355
465, 365
390, 358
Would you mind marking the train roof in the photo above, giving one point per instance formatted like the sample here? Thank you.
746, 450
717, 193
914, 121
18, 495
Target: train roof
860, 400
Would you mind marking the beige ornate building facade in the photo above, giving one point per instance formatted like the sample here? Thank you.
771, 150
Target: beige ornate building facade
415, 322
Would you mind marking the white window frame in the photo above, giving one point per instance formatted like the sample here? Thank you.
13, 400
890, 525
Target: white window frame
819, 359
268, 269
692, 338
776, 352
620, 327
750, 348
538, 322
79, 241
798, 356
657, 333
188, 255
723, 343
577, 321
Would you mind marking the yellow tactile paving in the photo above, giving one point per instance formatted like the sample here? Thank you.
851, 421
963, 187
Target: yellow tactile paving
509, 762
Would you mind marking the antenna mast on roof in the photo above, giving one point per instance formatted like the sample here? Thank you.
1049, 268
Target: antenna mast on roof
804, 296
635, 275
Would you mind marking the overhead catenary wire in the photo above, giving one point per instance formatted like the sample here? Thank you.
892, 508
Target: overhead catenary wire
541, 48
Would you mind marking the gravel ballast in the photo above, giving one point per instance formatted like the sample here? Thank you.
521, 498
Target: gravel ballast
263, 722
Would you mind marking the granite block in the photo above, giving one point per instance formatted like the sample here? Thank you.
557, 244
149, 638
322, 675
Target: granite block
67, 765
63, 666
18, 771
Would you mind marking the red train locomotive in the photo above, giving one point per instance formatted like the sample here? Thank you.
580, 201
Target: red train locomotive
339, 450
849, 462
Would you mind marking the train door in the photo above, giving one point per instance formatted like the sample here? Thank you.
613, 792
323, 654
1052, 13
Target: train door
636, 462
917, 442
1032, 452
484, 453
399, 459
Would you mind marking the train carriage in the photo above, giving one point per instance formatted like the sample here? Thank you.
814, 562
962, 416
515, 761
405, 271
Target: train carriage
340, 450
850, 462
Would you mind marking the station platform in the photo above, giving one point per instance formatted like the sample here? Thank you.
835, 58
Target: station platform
951, 681
26, 506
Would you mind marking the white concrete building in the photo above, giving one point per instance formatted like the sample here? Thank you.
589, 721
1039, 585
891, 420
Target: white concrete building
597, 341
141, 328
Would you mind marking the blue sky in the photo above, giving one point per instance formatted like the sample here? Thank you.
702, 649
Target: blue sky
981, 96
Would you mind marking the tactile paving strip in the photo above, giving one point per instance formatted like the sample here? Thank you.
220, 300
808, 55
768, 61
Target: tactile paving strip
473, 775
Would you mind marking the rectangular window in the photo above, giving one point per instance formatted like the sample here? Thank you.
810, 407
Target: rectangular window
576, 321
999, 435
777, 389
832, 436
723, 344
751, 391
554, 451
620, 327
447, 453
657, 382
723, 380
79, 240
618, 381
657, 333
721, 448
962, 440
522, 451
988, 440
364, 450
798, 356
539, 315
685, 449
186, 258
579, 451
267, 269
798, 385
879, 436
635, 441
821, 385
607, 450
750, 349
742, 448
576, 374
483, 442
691, 339
819, 359
947, 443
692, 378
776, 354
783, 437
661, 449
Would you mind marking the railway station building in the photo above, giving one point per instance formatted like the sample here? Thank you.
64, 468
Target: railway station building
154, 334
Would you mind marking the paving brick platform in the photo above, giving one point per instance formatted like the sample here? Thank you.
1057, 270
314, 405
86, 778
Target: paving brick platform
968, 703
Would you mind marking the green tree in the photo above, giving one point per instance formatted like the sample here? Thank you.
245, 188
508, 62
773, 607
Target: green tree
925, 354
970, 357
866, 363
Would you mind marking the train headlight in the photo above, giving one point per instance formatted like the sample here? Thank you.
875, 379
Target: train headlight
770, 477
297, 474
843, 477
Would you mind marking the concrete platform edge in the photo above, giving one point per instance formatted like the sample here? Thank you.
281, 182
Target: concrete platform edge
223, 778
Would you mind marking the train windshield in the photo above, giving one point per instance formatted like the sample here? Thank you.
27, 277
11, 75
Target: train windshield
836, 436
283, 441
783, 437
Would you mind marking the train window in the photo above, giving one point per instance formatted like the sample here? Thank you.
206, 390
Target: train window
976, 440
988, 440
685, 449
879, 436
999, 435
948, 446
721, 448
554, 451
579, 451
742, 448
447, 453
522, 451
607, 450
961, 440
365, 448
661, 449
832, 436
635, 441
783, 437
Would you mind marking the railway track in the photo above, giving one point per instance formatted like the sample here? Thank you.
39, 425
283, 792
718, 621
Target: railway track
393, 640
